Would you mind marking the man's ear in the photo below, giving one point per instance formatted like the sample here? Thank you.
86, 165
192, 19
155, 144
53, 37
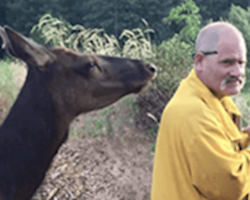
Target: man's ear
198, 61
25, 49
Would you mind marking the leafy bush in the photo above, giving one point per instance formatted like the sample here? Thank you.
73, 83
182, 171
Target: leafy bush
240, 17
174, 61
173, 57
187, 12
243, 103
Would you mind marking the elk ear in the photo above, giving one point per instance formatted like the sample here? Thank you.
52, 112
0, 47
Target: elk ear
25, 49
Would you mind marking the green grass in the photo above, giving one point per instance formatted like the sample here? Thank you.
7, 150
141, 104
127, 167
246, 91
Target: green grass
8, 88
243, 103
109, 120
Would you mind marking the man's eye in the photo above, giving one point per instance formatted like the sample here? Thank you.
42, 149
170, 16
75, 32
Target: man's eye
228, 62
242, 62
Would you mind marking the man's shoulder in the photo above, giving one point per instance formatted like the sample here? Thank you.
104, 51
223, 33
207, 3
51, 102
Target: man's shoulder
189, 106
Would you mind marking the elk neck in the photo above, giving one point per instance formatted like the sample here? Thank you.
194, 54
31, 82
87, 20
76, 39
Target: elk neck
32, 133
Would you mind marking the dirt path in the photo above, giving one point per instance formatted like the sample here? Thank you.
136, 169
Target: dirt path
101, 169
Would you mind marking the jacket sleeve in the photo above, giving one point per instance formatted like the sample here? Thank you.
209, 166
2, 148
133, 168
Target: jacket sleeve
217, 170
245, 141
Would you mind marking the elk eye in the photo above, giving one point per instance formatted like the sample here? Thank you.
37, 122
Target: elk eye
86, 70
91, 66
94, 70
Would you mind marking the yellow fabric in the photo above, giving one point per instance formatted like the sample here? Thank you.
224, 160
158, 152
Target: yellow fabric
198, 152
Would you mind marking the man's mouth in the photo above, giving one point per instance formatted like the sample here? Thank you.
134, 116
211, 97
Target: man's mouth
231, 79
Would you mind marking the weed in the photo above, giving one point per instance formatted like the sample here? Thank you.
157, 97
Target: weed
107, 121
242, 101
8, 88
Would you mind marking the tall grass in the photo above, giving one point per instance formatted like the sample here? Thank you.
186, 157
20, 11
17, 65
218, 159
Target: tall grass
8, 88
243, 103
107, 121
57, 32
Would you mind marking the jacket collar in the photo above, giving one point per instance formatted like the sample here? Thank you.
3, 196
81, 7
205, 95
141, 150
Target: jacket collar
224, 108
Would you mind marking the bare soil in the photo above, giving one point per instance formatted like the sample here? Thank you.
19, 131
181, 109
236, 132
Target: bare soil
102, 168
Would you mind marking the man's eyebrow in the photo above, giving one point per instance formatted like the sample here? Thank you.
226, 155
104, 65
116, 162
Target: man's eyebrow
232, 60
206, 53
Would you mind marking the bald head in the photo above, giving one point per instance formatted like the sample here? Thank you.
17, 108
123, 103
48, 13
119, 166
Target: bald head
210, 36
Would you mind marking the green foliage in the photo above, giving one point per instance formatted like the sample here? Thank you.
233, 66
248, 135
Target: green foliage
8, 88
189, 13
174, 61
54, 31
58, 32
214, 9
246, 88
100, 125
21, 15
243, 103
92, 41
137, 43
113, 16
107, 121
240, 17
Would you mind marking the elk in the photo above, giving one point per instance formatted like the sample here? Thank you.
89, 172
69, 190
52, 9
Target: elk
60, 85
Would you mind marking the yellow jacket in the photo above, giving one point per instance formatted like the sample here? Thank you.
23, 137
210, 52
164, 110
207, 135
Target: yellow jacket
200, 153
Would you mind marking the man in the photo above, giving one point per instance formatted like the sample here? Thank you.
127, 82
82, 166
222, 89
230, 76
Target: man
201, 151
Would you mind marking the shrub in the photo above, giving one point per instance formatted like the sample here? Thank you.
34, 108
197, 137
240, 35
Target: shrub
11, 79
243, 103
187, 12
174, 61
8, 87
240, 17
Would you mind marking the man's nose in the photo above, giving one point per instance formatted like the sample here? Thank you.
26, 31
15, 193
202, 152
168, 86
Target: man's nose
238, 70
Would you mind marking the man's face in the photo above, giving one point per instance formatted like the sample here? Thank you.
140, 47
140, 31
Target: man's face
223, 72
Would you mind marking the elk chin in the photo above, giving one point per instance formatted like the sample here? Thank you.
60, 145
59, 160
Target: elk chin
144, 89
146, 86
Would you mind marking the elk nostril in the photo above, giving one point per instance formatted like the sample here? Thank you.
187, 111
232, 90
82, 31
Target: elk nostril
152, 68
